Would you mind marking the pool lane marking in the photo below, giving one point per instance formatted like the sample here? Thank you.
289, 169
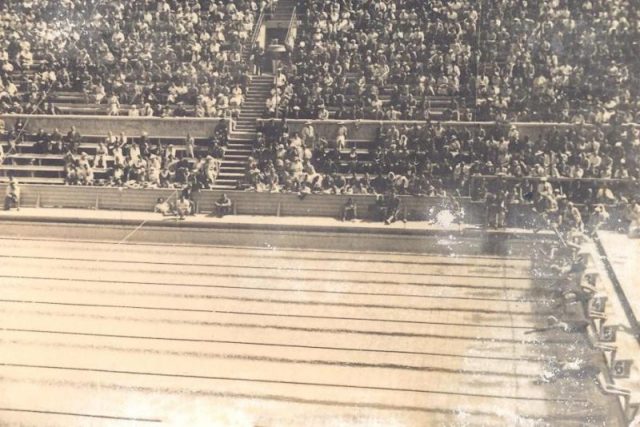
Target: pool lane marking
266, 289
250, 276
429, 259
270, 359
291, 399
284, 382
255, 267
83, 415
253, 343
301, 316
288, 302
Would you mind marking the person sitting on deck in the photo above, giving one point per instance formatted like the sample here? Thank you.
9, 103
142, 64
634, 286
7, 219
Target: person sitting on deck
163, 206
393, 209
12, 198
349, 210
223, 206
183, 207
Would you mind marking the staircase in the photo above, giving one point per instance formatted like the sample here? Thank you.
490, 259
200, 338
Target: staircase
242, 137
283, 11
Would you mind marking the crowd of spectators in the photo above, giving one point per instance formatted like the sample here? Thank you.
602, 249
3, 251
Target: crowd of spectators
120, 160
431, 159
556, 170
146, 58
560, 60
377, 59
541, 60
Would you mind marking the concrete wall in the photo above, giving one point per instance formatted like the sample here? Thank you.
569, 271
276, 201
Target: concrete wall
263, 204
367, 129
131, 126
246, 203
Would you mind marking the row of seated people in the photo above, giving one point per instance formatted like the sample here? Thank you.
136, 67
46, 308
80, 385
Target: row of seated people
449, 155
406, 49
156, 52
115, 160
560, 60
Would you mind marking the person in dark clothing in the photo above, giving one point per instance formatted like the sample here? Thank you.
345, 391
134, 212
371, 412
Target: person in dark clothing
349, 210
393, 209
223, 206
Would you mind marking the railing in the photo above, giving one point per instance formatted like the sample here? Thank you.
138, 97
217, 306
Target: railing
292, 23
256, 31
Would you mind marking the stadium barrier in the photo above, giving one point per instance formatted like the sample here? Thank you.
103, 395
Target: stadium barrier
368, 129
267, 204
131, 126
245, 203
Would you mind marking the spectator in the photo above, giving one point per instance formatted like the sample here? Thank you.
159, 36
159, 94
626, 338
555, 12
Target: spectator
12, 195
183, 207
163, 207
394, 207
223, 206
349, 210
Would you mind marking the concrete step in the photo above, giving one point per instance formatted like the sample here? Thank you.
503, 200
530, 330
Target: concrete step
241, 146
232, 175
233, 163
224, 180
243, 137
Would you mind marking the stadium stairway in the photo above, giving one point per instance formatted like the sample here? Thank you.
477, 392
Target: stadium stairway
244, 133
283, 10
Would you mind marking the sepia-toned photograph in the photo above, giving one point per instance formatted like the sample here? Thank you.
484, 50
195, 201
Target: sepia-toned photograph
320, 213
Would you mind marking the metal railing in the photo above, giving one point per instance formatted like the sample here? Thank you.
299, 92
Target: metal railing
256, 32
292, 23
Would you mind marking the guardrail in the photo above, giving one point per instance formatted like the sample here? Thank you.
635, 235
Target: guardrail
256, 31
292, 22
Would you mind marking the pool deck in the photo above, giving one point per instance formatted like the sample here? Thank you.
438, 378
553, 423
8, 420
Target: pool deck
243, 222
